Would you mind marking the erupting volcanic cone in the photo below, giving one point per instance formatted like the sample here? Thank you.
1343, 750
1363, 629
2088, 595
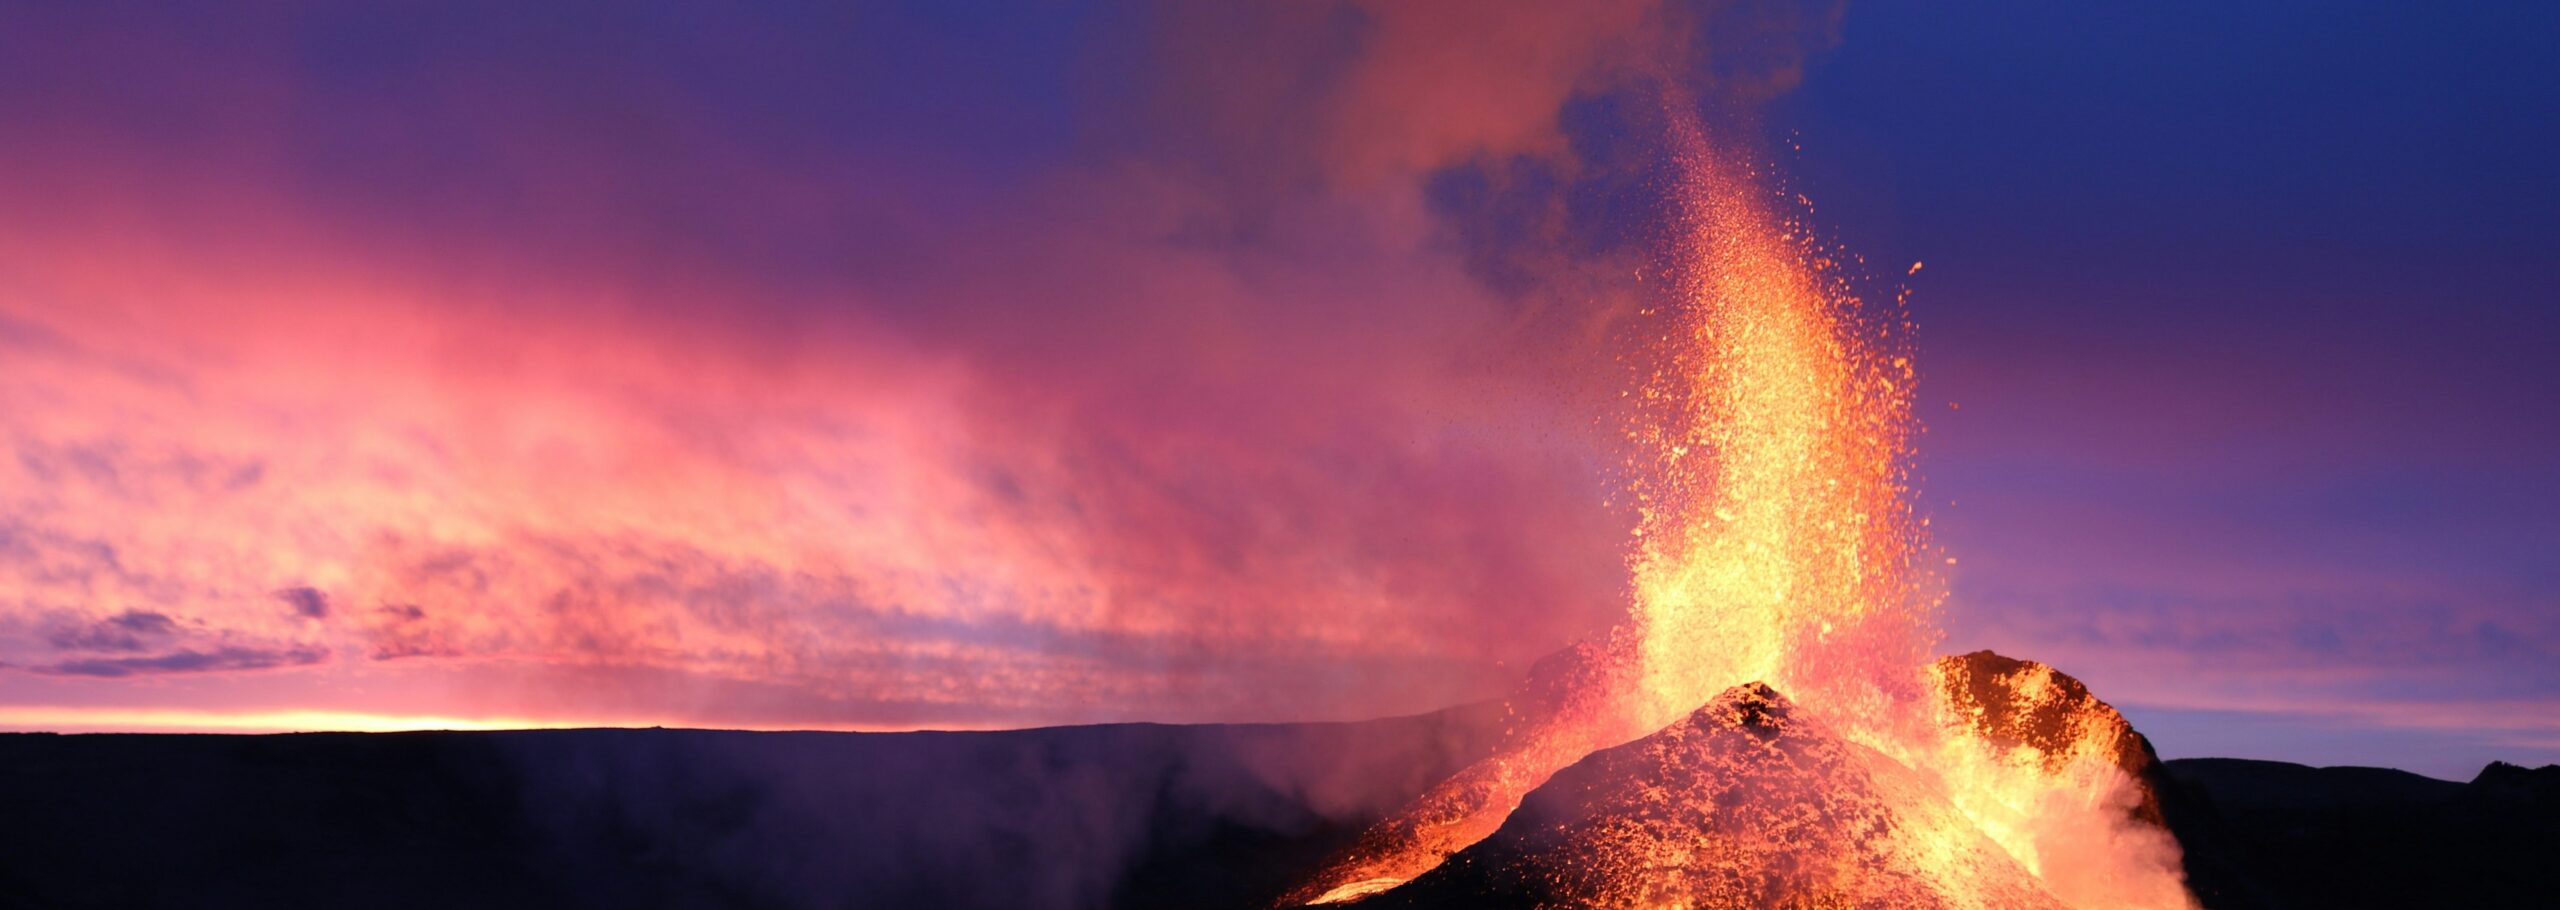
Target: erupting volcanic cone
2031, 793
1744, 803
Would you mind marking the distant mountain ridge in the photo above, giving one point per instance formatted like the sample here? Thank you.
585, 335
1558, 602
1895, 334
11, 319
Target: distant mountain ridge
2266, 834
1123, 815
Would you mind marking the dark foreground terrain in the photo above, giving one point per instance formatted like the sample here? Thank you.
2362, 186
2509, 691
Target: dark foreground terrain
2275, 834
1111, 816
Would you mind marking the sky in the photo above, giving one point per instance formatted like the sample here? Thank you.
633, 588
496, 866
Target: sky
977, 365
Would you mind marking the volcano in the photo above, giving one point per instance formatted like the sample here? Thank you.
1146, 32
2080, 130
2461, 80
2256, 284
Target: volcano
1765, 727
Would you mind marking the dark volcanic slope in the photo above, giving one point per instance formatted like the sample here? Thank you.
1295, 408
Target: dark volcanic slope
1107, 816
2290, 836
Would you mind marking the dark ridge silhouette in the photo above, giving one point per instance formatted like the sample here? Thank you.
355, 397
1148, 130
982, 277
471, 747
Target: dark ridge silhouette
2280, 835
1133, 815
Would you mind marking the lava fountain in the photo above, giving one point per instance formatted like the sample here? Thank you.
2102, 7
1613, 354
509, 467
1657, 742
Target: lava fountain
1777, 551
1775, 539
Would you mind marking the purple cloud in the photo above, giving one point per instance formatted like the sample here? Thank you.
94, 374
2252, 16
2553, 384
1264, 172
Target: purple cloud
131, 630
306, 602
189, 660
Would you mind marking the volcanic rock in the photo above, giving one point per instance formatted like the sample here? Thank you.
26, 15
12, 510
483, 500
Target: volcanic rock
2022, 704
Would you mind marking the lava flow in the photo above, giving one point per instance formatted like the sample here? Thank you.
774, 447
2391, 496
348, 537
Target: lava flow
1777, 561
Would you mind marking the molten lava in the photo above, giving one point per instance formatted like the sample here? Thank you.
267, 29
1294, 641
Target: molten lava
1776, 552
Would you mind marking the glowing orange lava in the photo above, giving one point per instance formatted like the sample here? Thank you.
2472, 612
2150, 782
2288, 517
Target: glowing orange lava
1775, 540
